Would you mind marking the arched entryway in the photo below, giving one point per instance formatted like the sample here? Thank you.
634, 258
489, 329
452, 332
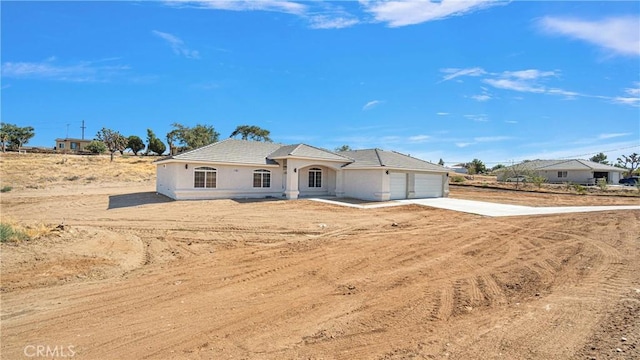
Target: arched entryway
316, 180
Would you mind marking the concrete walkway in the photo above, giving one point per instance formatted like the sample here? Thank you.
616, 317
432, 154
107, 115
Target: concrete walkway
486, 208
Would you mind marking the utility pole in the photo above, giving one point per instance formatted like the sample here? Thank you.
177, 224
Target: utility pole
67, 131
83, 127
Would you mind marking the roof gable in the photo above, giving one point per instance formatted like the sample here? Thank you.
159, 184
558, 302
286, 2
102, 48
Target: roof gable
307, 151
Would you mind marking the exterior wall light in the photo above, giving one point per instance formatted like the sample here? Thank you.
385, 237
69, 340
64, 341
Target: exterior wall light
186, 166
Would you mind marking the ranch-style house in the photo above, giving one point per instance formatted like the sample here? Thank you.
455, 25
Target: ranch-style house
237, 169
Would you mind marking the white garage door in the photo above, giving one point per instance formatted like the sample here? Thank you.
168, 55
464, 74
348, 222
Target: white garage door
428, 185
398, 186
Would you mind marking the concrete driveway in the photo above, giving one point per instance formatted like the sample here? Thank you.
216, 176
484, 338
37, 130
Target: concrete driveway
497, 210
481, 207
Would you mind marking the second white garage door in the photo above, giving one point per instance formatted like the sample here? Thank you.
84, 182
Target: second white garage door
398, 185
428, 186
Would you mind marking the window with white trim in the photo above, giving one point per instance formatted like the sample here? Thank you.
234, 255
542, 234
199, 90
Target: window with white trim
261, 178
315, 178
204, 177
562, 174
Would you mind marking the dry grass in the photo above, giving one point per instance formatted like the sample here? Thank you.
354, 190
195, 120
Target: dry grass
38, 171
12, 231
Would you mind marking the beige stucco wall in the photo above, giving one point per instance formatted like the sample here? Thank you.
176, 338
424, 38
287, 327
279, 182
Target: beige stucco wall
366, 184
176, 181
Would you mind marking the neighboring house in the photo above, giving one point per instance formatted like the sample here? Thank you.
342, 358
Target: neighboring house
250, 169
459, 169
71, 145
564, 171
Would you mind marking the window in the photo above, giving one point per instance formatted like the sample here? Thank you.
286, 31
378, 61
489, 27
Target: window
204, 177
315, 178
562, 174
61, 146
262, 178
74, 146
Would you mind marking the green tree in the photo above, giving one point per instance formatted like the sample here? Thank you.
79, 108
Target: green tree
96, 147
154, 144
251, 132
497, 167
476, 167
135, 144
599, 158
14, 136
113, 140
630, 162
343, 148
185, 138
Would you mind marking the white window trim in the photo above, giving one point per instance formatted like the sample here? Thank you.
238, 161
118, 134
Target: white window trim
207, 171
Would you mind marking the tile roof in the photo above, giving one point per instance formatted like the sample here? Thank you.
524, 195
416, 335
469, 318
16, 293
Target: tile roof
263, 153
390, 159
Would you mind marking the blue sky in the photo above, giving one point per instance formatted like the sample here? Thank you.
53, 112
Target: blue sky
498, 81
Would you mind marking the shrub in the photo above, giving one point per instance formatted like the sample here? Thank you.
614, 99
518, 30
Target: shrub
602, 183
96, 147
458, 179
538, 181
580, 189
9, 233
72, 178
6, 189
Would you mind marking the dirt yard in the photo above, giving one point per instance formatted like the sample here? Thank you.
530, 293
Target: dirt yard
132, 275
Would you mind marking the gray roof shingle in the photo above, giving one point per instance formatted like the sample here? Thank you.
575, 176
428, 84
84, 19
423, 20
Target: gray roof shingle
369, 158
566, 165
307, 151
263, 153
232, 151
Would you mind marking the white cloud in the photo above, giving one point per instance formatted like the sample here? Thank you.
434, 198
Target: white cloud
85, 71
410, 12
177, 45
619, 35
522, 80
320, 15
492, 138
288, 7
477, 117
612, 135
453, 73
419, 138
631, 97
329, 22
510, 121
530, 74
463, 144
481, 98
371, 104
515, 85
442, 113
